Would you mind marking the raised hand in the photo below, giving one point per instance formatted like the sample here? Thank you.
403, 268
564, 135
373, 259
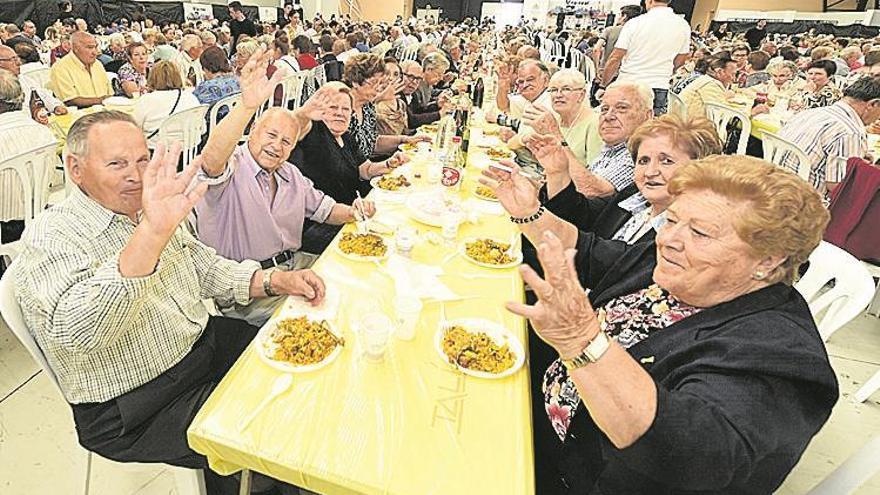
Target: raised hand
563, 316
517, 194
167, 197
541, 120
549, 152
318, 105
256, 88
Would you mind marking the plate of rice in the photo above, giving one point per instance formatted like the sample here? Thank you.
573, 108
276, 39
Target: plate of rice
298, 344
479, 347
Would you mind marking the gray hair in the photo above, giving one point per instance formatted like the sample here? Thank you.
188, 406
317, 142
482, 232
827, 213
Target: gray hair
117, 38
78, 137
573, 77
641, 89
451, 42
435, 61
406, 64
208, 36
11, 96
190, 41
782, 64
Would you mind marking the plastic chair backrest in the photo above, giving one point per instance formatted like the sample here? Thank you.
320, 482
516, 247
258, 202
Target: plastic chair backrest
189, 125
677, 106
722, 116
227, 103
852, 292
292, 89
11, 311
855, 471
33, 169
37, 78
780, 152
320, 73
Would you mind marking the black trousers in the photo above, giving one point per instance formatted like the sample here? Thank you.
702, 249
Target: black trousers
9, 232
149, 423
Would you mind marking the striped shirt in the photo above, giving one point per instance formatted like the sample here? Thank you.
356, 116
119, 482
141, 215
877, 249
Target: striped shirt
104, 334
824, 134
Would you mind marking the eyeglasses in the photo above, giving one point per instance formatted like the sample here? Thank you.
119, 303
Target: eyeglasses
564, 91
413, 78
14, 60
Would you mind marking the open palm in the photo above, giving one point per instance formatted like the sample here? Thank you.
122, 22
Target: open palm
256, 88
517, 194
167, 197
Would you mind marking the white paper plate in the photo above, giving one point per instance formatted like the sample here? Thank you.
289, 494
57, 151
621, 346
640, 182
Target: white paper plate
498, 333
517, 256
484, 198
118, 101
355, 257
264, 348
375, 183
430, 209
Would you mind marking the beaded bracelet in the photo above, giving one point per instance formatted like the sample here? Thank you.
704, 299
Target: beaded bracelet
529, 219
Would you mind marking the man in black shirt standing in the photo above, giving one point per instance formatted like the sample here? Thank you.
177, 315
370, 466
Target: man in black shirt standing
239, 25
756, 35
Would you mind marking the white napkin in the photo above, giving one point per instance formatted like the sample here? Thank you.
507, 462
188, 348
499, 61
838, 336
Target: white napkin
297, 306
484, 207
422, 280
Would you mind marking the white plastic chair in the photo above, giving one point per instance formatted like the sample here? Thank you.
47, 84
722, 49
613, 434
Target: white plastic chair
188, 481
33, 170
853, 473
292, 89
320, 73
781, 152
722, 116
851, 294
227, 103
37, 78
187, 126
676, 105
874, 270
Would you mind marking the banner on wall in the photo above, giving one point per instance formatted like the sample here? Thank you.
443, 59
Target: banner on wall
268, 14
197, 12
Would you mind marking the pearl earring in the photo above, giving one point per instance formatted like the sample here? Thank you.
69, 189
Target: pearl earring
759, 275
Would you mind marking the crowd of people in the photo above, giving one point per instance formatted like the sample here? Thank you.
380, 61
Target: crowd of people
689, 365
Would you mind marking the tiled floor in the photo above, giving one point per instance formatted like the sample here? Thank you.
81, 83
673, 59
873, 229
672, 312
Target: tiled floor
39, 454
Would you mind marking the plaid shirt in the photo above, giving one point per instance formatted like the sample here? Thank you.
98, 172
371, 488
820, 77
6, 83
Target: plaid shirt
615, 165
104, 334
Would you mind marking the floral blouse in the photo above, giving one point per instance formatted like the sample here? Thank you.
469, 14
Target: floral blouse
366, 131
628, 320
827, 96
127, 73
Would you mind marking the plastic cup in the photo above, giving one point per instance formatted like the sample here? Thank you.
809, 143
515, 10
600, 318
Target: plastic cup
476, 136
375, 330
405, 239
408, 308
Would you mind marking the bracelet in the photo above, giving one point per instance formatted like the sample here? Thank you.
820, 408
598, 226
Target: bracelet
529, 219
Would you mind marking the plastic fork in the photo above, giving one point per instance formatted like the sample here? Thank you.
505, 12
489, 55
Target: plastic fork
281, 385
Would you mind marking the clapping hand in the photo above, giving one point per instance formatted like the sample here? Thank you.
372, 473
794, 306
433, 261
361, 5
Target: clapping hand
563, 316
549, 152
517, 194
256, 88
541, 120
167, 197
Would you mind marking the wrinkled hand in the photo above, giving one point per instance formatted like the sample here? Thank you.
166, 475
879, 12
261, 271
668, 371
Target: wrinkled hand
444, 98
504, 72
517, 194
563, 316
541, 120
550, 154
305, 283
318, 105
362, 205
390, 90
60, 110
505, 133
397, 159
418, 138
256, 88
167, 197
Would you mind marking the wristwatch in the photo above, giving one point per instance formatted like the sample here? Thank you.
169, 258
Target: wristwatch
267, 282
563, 143
591, 353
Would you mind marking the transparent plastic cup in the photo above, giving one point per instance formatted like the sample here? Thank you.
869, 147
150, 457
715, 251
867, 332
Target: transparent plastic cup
375, 330
408, 308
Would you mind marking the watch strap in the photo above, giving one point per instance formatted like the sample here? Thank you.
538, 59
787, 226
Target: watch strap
267, 282
594, 351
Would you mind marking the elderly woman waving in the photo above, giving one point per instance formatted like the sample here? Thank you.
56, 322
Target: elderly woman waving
692, 365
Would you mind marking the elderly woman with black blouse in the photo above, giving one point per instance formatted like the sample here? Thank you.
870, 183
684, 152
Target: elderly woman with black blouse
365, 75
693, 365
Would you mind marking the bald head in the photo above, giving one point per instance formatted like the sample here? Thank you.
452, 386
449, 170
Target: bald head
85, 47
273, 137
9, 60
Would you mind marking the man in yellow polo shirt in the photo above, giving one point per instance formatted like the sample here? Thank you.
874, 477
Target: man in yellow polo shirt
78, 79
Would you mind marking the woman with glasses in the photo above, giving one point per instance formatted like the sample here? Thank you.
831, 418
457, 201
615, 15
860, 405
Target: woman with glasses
574, 122
365, 75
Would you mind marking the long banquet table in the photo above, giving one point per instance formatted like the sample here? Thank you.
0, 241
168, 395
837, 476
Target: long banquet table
410, 424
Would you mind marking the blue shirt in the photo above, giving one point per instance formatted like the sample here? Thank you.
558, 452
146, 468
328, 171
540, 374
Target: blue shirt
215, 89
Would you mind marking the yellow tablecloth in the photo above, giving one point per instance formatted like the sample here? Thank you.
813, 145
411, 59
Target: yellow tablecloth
410, 425
61, 124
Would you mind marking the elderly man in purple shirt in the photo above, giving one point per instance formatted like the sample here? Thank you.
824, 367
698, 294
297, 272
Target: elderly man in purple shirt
256, 201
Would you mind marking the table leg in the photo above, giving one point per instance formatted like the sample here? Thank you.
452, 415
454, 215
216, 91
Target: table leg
245, 486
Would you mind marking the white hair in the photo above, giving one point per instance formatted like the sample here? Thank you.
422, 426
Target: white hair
573, 77
641, 89
190, 41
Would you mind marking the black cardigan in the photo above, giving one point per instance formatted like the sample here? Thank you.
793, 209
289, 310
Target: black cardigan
742, 387
601, 216
332, 168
